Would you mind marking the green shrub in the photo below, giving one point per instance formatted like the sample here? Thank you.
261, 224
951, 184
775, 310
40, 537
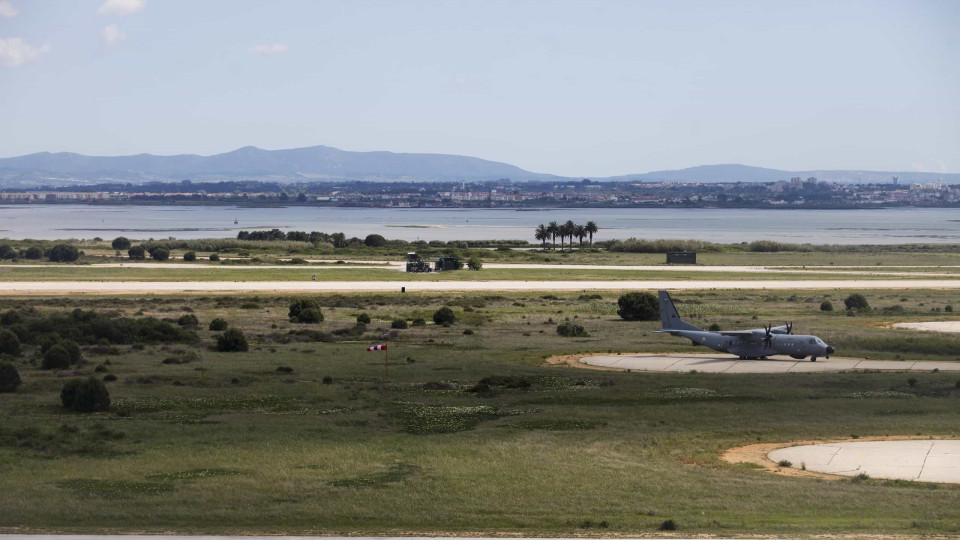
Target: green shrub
638, 306
569, 329
137, 253
475, 264
56, 357
214, 257
190, 256
856, 301
668, 525
33, 253
714, 327
374, 240
419, 322
120, 243
218, 325
233, 340
10, 318
363, 318
948, 309
85, 395
444, 315
468, 332
9, 377
63, 253
7, 252
826, 305
76, 355
399, 324
9, 343
188, 320
160, 253
305, 310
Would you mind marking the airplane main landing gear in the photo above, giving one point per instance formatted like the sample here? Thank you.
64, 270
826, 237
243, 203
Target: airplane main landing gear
813, 358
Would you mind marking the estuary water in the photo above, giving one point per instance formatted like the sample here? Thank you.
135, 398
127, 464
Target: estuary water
876, 226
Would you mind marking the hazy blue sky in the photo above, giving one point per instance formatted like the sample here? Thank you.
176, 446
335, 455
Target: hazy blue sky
573, 88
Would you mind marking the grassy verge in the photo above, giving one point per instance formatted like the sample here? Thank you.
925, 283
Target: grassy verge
226, 442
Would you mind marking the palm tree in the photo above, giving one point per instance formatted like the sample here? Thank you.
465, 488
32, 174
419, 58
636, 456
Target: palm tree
591, 228
553, 229
570, 228
541, 234
580, 231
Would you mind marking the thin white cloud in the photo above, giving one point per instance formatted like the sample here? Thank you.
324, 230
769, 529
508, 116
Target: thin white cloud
14, 52
112, 34
7, 10
269, 48
121, 7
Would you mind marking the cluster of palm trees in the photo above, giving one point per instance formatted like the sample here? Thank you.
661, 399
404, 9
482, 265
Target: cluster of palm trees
564, 230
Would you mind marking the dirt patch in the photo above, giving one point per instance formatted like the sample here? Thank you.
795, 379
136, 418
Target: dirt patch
756, 454
573, 360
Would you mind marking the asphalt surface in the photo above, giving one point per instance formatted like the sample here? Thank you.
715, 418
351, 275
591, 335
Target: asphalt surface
925, 461
720, 363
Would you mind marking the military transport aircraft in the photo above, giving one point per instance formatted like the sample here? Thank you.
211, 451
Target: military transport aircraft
747, 344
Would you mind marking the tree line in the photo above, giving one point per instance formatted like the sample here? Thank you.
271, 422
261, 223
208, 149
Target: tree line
569, 230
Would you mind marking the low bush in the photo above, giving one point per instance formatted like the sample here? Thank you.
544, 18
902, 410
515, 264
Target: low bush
218, 325
9, 377
444, 315
160, 253
76, 355
233, 340
56, 357
419, 322
120, 243
475, 264
826, 305
85, 395
399, 324
63, 253
305, 311
668, 525
10, 318
137, 253
188, 320
638, 306
190, 256
856, 301
363, 318
33, 253
9, 343
214, 257
570, 329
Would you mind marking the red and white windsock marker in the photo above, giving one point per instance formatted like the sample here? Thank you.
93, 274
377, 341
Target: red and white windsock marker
377, 348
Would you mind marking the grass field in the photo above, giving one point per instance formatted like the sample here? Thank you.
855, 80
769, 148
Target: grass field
227, 443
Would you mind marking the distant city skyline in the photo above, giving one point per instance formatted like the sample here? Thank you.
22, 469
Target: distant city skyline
571, 88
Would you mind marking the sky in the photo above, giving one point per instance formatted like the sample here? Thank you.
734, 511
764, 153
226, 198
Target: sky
575, 88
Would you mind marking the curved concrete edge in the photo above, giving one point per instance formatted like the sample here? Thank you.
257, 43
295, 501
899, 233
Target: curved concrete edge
720, 363
928, 460
761, 455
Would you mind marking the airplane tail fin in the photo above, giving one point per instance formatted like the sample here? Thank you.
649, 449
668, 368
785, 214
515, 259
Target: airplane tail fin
669, 318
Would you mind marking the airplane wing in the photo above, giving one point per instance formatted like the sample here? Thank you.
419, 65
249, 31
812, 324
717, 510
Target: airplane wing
757, 334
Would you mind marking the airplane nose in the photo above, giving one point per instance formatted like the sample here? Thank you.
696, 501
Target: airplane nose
830, 350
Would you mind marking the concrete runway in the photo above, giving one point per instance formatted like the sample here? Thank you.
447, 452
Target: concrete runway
925, 461
721, 363
168, 287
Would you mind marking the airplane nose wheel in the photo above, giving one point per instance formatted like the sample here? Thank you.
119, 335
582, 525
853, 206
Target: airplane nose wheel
813, 358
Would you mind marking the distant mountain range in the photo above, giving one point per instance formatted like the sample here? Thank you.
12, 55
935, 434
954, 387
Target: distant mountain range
323, 163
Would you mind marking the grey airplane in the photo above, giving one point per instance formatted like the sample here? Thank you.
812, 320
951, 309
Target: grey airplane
747, 344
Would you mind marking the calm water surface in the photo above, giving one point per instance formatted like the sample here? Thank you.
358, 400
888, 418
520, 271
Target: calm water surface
885, 226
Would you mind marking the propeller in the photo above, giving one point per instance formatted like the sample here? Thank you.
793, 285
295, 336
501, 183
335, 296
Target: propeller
789, 326
768, 339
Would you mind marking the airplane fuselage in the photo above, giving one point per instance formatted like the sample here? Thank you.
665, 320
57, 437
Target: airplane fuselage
797, 346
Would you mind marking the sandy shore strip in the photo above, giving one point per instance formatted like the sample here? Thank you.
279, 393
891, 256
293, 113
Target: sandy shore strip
167, 287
